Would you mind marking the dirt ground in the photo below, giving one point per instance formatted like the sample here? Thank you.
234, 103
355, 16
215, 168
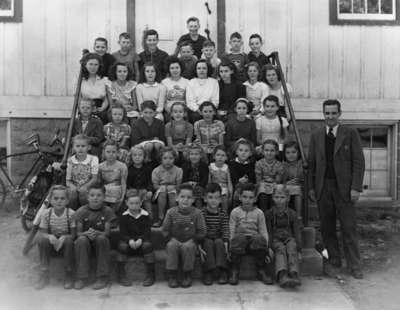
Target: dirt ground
379, 241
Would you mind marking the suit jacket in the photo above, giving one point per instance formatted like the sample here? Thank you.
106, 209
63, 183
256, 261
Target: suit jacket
348, 161
94, 130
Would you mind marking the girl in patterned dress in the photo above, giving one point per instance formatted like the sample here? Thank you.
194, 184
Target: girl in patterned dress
269, 171
219, 173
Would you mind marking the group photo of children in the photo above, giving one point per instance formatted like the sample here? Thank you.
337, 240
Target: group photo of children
190, 144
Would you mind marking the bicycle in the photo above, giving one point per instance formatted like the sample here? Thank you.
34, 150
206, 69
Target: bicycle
45, 157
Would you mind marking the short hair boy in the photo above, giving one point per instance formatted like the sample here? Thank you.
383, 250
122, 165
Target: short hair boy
100, 47
135, 238
127, 55
215, 244
188, 59
89, 124
93, 222
255, 43
184, 226
236, 56
193, 37
210, 54
248, 235
152, 53
284, 227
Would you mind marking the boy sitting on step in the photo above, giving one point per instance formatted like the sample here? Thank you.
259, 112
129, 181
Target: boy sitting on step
248, 235
184, 226
135, 238
284, 228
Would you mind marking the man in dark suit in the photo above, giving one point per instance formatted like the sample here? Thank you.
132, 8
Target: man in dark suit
336, 164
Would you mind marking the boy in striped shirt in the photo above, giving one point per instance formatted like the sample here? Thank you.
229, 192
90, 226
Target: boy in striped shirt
184, 226
215, 245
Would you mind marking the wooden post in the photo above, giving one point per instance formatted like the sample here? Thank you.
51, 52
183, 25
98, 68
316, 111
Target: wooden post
221, 30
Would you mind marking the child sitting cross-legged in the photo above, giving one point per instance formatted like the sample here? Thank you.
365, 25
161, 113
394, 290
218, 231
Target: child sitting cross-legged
248, 235
93, 222
214, 249
284, 228
57, 233
184, 226
134, 238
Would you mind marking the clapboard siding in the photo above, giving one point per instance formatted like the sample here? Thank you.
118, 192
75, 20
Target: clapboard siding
351, 62
40, 56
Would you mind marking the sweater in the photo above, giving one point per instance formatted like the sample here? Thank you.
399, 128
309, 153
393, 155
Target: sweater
236, 129
140, 178
217, 224
184, 224
197, 174
135, 228
229, 93
238, 170
142, 131
158, 57
249, 222
200, 90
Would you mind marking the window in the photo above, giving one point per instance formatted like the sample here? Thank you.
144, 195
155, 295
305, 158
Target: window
11, 11
364, 12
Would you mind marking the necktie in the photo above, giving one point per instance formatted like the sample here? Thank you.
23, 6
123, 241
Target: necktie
330, 133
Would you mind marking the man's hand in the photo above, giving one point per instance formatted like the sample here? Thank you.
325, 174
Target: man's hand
355, 195
53, 240
311, 195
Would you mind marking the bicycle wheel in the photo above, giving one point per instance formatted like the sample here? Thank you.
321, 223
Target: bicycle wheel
3, 195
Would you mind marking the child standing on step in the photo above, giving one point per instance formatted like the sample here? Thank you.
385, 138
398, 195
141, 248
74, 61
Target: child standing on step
135, 238
118, 131
248, 235
219, 173
184, 226
166, 179
236, 56
256, 91
293, 174
93, 222
214, 248
82, 171
89, 125
269, 171
113, 174
284, 229
57, 234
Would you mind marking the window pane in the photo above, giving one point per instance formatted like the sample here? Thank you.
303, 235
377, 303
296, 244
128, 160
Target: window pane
365, 135
359, 6
379, 137
373, 6
344, 6
387, 6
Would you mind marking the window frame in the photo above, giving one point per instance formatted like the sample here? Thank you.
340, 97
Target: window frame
16, 17
335, 20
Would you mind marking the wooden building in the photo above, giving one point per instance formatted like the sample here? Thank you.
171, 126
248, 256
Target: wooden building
328, 48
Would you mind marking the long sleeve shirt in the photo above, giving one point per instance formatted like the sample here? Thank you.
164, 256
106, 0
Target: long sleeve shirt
156, 92
236, 129
142, 131
184, 224
217, 224
238, 170
135, 228
247, 222
200, 90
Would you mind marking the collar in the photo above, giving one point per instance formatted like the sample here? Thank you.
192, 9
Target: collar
334, 130
275, 211
223, 168
151, 53
259, 55
150, 85
142, 213
85, 161
255, 85
243, 163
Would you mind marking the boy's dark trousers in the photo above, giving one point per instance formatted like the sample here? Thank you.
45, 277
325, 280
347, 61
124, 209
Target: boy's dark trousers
46, 251
146, 250
331, 205
216, 256
286, 256
185, 250
83, 249
253, 245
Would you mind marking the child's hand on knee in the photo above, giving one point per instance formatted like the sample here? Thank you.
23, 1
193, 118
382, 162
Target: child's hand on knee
132, 244
139, 243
